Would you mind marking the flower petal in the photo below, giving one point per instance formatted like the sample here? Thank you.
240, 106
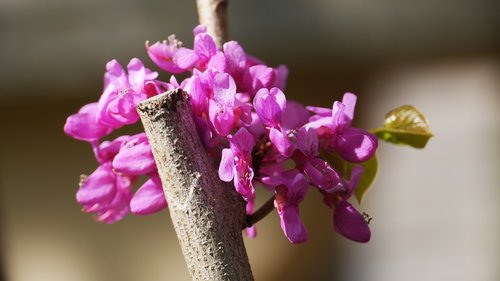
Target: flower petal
185, 58
267, 107
138, 74
281, 73
219, 62
162, 54
294, 116
199, 29
108, 149
149, 198
340, 120
256, 128
99, 187
243, 181
292, 226
356, 173
224, 89
350, 223
118, 208
115, 75
356, 145
257, 77
281, 141
242, 142
235, 56
207, 134
297, 187
222, 117
134, 159
197, 95
226, 166
204, 46
85, 126
307, 142
321, 174
349, 100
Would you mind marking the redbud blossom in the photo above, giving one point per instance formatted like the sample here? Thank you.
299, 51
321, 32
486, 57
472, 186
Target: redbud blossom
245, 123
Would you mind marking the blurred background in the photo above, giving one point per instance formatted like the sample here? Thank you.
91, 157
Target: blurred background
435, 211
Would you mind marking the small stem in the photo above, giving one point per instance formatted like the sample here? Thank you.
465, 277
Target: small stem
213, 15
260, 213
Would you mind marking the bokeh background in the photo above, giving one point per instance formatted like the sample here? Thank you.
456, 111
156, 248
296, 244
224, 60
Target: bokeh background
436, 211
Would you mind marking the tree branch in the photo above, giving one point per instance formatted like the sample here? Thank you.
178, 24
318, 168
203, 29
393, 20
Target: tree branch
213, 15
260, 213
207, 213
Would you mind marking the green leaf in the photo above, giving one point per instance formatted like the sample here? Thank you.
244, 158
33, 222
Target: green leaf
367, 178
405, 125
344, 168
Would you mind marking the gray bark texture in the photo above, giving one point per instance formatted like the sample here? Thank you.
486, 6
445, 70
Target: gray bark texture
207, 213
213, 15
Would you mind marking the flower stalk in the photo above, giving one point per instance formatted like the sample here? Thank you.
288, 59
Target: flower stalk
261, 213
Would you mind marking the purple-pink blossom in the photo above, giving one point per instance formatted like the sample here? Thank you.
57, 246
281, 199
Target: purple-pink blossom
85, 124
122, 92
220, 108
348, 221
236, 163
149, 198
289, 194
245, 122
334, 127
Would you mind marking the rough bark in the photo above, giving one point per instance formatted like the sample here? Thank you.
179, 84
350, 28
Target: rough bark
213, 15
207, 213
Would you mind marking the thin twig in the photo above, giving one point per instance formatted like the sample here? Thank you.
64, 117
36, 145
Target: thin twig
260, 213
213, 15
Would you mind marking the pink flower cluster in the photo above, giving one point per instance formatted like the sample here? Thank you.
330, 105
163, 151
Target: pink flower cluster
243, 118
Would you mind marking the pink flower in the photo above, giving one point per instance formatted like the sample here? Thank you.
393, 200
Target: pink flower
105, 193
149, 198
135, 156
347, 221
85, 125
257, 77
119, 207
200, 88
236, 59
123, 92
294, 116
165, 55
289, 194
204, 48
107, 150
172, 57
207, 133
270, 106
353, 144
221, 107
281, 73
236, 99
99, 187
319, 171
236, 163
